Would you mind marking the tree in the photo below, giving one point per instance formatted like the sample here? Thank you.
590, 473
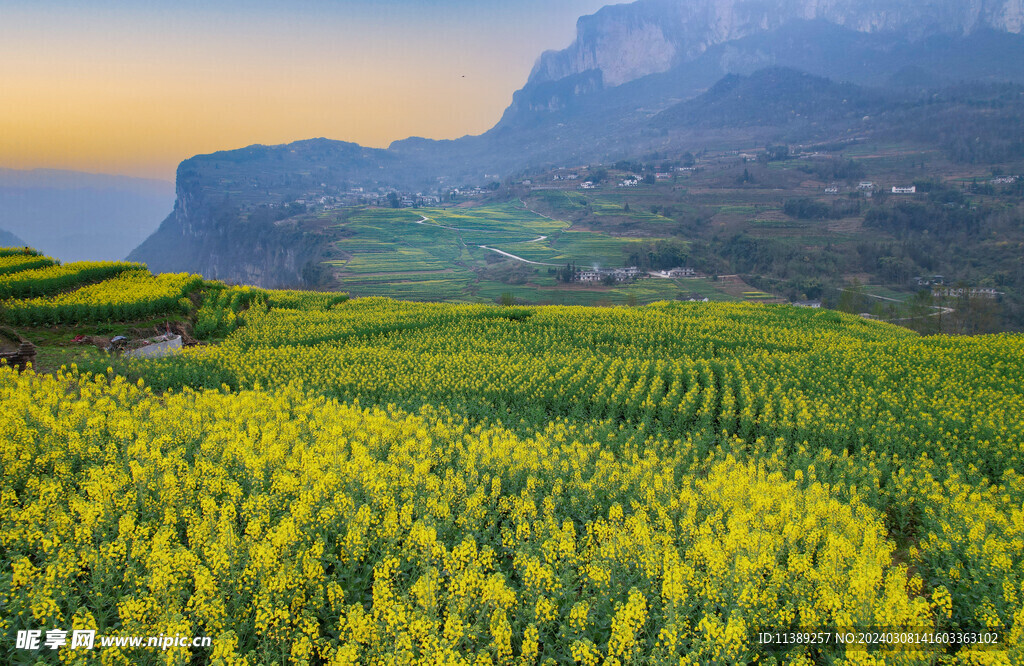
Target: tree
393, 200
775, 153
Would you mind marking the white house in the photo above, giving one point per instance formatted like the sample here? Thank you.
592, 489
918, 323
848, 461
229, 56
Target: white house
970, 292
904, 190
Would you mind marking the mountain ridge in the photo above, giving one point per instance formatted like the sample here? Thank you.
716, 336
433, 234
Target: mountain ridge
626, 42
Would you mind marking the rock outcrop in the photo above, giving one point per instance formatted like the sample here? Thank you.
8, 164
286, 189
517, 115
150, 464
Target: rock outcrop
627, 42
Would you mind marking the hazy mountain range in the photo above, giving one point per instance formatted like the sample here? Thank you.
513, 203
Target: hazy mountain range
7, 239
628, 42
628, 85
76, 216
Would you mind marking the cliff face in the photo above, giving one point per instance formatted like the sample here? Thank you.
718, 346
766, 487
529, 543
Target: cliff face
208, 233
627, 42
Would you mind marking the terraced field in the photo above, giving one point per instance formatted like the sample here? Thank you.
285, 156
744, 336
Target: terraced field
443, 254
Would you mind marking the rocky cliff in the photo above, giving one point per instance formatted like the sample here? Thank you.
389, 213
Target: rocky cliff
627, 42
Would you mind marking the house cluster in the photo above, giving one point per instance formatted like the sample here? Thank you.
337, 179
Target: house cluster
631, 181
941, 290
617, 274
678, 273
568, 176
588, 185
1004, 180
868, 188
468, 191
969, 292
358, 196
406, 200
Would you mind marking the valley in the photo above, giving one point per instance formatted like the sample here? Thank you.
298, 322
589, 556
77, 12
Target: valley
814, 223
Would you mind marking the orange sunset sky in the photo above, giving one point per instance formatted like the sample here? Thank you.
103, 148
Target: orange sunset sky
135, 87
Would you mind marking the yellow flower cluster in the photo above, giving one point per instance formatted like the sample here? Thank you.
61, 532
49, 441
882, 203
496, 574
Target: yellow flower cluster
131, 295
23, 251
221, 309
13, 263
53, 279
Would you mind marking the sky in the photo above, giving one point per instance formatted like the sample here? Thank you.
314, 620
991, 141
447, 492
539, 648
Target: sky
134, 87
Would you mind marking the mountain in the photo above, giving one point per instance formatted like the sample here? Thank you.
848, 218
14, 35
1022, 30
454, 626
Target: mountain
82, 216
651, 76
816, 46
231, 208
628, 42
7, 239
773, 97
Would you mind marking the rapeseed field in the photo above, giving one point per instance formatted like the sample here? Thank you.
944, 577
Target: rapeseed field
381, 482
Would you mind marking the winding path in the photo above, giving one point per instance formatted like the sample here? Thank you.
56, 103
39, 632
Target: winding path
512, 256
940, 309
424, 219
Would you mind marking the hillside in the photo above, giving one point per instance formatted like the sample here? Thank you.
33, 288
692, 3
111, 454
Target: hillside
467, 482
772, 98
778, 219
